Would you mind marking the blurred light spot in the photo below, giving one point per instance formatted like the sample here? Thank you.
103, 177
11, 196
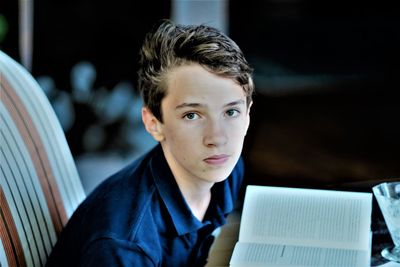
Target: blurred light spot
138, 138
119, 101
48, 86
64, 110
94, 138
135, 110
83, 75
3, 27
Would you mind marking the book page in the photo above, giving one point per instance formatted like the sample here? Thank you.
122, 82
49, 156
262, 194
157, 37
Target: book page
306, 217
256, 254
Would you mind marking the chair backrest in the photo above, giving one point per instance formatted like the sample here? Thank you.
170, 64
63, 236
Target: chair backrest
40, 185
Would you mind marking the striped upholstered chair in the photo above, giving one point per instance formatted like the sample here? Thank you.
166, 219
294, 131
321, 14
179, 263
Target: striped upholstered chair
40, 186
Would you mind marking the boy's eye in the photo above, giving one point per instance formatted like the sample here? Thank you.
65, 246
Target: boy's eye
232, 113
191, 116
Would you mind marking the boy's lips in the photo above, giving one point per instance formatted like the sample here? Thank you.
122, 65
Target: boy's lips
217, 159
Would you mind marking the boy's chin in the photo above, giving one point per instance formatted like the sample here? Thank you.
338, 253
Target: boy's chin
220, 176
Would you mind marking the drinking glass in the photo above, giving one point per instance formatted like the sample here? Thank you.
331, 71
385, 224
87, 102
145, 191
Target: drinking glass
388, 198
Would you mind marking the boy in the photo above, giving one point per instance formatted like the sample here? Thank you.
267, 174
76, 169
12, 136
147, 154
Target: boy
161, 209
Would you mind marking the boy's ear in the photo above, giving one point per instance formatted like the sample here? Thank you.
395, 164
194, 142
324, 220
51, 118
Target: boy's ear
248, 116
152, 124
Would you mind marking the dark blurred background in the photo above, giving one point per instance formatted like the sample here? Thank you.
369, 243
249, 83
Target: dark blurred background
326, 111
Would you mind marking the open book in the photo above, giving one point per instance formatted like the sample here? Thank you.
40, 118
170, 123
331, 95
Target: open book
304, 227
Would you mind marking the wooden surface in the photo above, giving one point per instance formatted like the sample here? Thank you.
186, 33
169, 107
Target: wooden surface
222, 248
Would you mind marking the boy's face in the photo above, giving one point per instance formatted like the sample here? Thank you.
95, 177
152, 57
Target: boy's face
205, 121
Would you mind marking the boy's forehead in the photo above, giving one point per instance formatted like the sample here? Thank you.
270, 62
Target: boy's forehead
194, 85
195, 75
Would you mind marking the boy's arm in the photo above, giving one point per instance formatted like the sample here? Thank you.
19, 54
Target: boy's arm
112, 252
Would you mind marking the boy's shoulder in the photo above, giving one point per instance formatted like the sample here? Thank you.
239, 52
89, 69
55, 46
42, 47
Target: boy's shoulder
119, 200
116, 210
131, 176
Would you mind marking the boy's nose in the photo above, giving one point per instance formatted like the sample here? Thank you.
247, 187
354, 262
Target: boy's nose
215, 134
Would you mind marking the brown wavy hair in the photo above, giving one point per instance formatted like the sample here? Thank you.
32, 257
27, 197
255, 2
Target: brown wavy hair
169, 45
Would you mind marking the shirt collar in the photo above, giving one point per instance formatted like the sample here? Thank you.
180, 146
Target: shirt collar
222, 200
181, 215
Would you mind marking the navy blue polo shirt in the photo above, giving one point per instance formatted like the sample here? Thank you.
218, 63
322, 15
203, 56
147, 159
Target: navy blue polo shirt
138, 217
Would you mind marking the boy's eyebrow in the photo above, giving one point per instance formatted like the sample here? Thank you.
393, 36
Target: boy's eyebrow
196, 105
234, 103
190, 105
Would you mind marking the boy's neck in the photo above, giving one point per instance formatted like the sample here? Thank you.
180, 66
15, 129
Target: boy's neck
198, 197
195, 191
199, 206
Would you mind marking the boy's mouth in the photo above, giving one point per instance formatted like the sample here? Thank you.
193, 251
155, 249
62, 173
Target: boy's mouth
217, 159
